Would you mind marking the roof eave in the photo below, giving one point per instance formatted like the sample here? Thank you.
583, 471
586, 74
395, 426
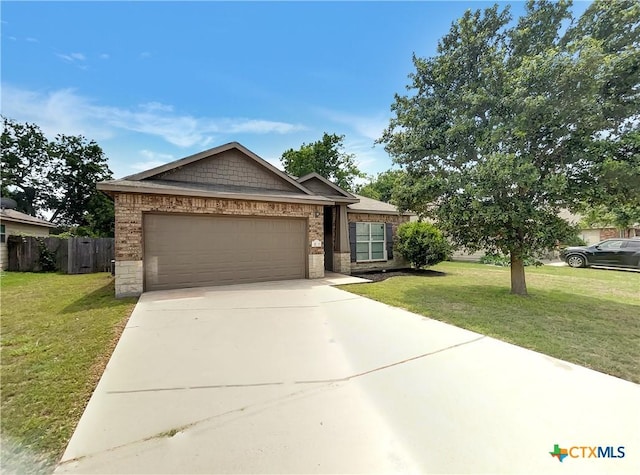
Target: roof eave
25, 221
113, 187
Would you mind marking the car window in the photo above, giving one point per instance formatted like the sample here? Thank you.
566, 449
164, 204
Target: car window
611, 244
635, 244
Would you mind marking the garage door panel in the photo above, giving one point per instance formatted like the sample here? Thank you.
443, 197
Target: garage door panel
188, 251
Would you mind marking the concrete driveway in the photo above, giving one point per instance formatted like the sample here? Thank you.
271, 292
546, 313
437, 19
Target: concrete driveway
300, 377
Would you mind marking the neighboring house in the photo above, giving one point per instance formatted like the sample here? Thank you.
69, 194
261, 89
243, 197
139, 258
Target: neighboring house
14, 222
589, 235
596, 234
226, 216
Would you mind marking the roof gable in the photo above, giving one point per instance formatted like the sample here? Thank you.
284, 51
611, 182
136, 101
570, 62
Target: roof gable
228, 165
320, 185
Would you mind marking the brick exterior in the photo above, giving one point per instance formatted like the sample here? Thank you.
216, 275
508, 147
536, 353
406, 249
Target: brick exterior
608, 233
130, 207
228, 168
398, 261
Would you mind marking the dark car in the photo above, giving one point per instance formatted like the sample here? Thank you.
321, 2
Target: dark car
617, 252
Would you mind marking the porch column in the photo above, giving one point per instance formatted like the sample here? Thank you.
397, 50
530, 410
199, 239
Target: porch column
342, 253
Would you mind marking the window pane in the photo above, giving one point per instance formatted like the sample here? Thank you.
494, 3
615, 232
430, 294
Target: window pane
612, 244
377, 231
362, 256
362, 247
633, 244
362, 231
377, 250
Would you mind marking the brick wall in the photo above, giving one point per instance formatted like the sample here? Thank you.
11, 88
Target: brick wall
228, 168
398, 261
130, 208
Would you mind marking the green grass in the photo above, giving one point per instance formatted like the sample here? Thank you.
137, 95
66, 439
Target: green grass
58, 332
587, 316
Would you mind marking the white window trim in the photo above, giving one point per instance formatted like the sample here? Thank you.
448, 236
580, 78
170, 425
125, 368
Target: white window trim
384, 242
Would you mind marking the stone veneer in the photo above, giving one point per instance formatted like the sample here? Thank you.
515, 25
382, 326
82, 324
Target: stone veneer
130, 207
342, 262
398, 261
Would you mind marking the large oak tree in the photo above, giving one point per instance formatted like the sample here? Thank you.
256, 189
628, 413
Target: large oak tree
499, 130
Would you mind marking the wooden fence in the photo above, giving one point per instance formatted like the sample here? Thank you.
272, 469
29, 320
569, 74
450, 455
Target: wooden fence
70, 255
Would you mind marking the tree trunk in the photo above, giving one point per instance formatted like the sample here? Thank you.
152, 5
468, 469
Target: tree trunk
518, 282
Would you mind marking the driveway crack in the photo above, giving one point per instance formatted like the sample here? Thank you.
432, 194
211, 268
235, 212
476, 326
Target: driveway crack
391, 365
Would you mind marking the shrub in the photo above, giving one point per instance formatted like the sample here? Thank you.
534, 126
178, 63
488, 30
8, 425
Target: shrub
505, 261
422, 244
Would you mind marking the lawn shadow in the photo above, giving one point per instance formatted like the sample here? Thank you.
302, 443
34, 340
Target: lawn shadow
101, 298
378, 276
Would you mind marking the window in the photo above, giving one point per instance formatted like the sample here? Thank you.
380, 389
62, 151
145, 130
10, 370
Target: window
633, 243
2, 236
611, 244
370, 243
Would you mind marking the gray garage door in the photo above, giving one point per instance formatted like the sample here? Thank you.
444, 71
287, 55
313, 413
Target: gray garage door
192, 251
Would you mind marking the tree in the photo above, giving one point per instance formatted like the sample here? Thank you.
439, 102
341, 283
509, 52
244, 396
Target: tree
79, 166
25, 164
326, 158
497, 135
56, 177
383, 186
422, 244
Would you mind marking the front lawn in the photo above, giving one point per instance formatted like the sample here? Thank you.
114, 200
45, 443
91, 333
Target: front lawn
58, 332
587, 316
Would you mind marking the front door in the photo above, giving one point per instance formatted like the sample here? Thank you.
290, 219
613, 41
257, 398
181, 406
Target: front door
328, 238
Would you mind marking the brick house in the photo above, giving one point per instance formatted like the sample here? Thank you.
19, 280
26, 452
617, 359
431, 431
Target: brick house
15, 223
226, 216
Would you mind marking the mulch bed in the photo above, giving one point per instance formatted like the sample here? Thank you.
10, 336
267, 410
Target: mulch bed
378, 276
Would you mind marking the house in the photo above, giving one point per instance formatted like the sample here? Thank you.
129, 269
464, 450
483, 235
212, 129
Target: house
596, 234
226, 216
14, 222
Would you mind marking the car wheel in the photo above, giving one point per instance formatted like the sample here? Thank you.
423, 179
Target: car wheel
576, 261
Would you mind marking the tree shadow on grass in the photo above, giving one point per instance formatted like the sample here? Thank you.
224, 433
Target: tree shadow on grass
102, 298
378, 276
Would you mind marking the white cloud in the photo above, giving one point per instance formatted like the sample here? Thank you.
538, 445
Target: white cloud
65, 111
145, 55
369, 126
151, 160
71, 57
32, 40
104, 56
13, 38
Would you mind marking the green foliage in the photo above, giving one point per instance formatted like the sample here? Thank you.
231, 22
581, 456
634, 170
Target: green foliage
572, 241
505, 261
506, 124
422, 244
602, 216
25, 165
47, 257
58, 176
326, 158
383, 186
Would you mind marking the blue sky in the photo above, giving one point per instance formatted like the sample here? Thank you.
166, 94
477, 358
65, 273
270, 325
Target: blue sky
152, 82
